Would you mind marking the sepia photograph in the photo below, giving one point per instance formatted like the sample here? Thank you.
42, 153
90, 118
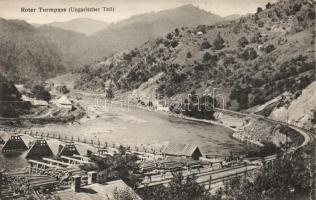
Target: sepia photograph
157, 100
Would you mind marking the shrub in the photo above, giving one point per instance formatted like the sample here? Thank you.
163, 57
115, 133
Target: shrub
242, 42
179, 188
128, 57
40, 93
207, 58
218, 42
260, 24
176, 31
269, 48
189, 55
249, 54
169, 36
7, 90
268, 6
174, 43
256, 38
205, 45
166, 43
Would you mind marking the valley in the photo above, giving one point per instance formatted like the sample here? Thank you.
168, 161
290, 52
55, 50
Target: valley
210, 106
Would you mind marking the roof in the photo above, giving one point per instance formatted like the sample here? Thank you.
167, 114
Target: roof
64, 100
180, 149
97, 192
40, 103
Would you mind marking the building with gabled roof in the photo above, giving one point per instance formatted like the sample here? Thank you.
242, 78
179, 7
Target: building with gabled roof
187, 150
64, 102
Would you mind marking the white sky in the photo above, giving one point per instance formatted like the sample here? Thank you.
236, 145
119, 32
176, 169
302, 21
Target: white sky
10, 9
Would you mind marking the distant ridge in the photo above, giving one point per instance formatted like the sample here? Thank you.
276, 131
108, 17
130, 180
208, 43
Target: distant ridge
81, 25
39, 52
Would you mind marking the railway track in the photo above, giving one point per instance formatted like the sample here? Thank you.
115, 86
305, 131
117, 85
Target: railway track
309, 138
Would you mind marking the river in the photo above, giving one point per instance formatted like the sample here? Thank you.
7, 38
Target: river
137, 127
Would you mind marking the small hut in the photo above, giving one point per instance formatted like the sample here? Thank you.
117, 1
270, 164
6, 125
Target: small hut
180, 150
64, 102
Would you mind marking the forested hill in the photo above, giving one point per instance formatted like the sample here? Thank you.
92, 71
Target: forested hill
250, 60
136, 30
29, 52
24, 54
11, 104
81, 25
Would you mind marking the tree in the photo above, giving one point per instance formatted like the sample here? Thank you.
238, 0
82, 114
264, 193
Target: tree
241, 95
268, 6
218, 42
40, 93
199, 107
242, 42
268, 149
249, 54
205, 45
179, 188
8, 91
109, 92
269, 48
124, 194
169, 36
120, 166
206, 57
174, 43
176, 31
189, 55
288, 179
259, 10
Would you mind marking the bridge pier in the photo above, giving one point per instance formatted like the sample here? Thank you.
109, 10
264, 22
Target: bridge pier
39, 149
14, 144
69, 149
2, 141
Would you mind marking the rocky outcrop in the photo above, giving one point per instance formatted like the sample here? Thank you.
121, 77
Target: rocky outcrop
301, 111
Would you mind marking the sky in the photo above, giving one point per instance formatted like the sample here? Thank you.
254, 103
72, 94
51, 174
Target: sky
11, 9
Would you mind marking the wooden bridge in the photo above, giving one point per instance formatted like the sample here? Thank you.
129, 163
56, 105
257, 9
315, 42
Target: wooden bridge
76, 160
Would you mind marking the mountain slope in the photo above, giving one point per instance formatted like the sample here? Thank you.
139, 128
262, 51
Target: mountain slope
38, 53
26, 55
82, 25
136, 30
11, 104
250, 60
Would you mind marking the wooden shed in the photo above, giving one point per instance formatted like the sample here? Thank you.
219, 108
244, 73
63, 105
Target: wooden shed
187, 150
